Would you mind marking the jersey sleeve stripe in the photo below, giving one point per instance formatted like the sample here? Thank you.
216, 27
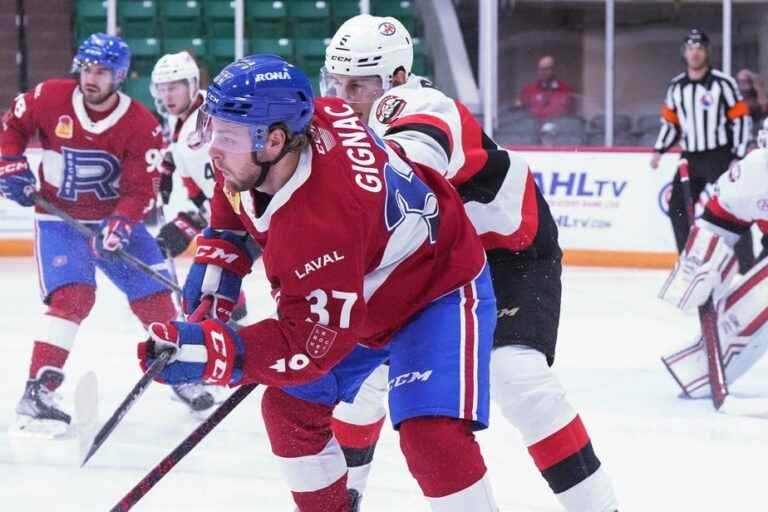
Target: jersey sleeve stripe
441, 137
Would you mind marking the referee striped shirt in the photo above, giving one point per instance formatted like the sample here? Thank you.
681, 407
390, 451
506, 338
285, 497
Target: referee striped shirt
704, 114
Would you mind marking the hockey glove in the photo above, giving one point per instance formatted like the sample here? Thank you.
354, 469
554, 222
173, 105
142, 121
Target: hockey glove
221, 262
167, 168
16, 180
705, 264
114, 233
176, 236
207, 352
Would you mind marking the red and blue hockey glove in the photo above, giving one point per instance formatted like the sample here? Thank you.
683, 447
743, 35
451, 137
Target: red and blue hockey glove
221, 262
114, 233
16, 180
176, 236
207, 352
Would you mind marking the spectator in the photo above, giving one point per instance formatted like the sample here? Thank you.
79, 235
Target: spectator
547, 96
752, 89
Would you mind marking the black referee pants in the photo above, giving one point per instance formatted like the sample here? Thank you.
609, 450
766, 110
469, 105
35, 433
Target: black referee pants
704, 167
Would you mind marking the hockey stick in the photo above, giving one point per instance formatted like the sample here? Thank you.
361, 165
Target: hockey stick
88, 233
707, 313
155, 368
173, 458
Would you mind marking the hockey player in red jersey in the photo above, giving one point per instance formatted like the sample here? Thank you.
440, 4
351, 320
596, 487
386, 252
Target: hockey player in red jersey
368, 64
706, 267
100, 149
369, 258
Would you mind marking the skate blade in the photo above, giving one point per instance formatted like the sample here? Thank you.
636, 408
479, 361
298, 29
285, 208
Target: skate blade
32, 428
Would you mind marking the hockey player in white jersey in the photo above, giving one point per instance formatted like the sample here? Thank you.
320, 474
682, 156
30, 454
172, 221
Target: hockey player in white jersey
706, 267
368, 64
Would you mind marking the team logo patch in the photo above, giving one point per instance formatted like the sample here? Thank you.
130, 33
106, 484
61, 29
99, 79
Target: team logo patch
387, 29
59, 261
64, 128
320, 341
763, 204
707, 100
390, 107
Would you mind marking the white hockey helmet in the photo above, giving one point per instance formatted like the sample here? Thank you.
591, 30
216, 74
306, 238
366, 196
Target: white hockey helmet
368, 45
172, 67
762, 135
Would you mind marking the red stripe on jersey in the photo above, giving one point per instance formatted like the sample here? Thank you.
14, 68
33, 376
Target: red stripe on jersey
560, 445
763, 225
745, 287
430, 120
755, 324
523, 237
472, 142
469, 352
350, 435
716, 209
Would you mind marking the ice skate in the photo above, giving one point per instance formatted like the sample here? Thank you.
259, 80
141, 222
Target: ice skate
38, 412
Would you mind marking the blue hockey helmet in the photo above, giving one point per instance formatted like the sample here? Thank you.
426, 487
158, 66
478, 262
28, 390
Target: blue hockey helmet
259, 91
109, 51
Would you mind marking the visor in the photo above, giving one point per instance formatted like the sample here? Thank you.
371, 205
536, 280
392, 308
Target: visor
352, 89
227, 136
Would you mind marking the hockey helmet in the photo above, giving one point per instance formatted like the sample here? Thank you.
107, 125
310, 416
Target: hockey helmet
106, 50
171, 68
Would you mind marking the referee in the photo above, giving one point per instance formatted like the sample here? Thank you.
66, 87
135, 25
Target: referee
704, 110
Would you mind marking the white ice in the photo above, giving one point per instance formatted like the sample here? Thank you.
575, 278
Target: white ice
664, 454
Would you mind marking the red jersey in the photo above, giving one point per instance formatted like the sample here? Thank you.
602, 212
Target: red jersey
548, 99
355, 243
90, 169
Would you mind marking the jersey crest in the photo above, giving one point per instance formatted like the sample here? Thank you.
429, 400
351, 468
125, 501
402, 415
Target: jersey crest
89, 170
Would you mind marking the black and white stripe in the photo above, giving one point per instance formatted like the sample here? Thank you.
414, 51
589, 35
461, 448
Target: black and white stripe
696, 113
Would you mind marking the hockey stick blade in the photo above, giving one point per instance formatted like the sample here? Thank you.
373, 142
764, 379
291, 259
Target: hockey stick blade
138, 390
173, 458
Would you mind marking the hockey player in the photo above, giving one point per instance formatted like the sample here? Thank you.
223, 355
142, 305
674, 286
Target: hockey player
369, 258
175, 87
706, 267
100, 150
368, 63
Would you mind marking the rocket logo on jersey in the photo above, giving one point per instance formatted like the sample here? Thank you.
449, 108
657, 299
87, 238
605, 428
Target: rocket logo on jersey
390, 107
64, 128
89, 170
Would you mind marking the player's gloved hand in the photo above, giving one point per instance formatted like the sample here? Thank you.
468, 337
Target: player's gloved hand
175, 237
207, 352
167, 168
114, 233
705, 264
221, 262
16, 180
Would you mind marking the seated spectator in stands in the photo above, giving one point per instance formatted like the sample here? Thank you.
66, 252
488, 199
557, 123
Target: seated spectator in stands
547, 96
753, 90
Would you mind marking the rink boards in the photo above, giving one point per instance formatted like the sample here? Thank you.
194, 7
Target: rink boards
609, 205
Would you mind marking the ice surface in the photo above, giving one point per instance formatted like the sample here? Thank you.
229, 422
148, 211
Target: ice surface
664, 454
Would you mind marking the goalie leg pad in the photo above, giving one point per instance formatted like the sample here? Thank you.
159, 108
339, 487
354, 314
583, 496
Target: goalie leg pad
743, 328
705, 264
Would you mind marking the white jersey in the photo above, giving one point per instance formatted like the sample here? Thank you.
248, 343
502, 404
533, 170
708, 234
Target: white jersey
194, 165
741, 195
498, 189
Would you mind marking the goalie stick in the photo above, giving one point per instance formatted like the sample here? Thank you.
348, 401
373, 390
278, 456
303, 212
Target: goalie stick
707, 313
141, 386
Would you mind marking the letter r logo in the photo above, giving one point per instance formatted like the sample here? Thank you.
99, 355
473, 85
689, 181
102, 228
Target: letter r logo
89, 171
